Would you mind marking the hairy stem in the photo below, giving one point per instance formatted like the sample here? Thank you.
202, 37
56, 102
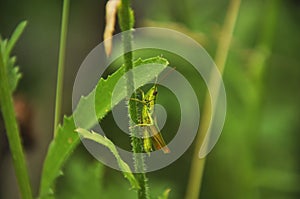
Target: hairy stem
61, 63
13, 133
126, 21
197, 167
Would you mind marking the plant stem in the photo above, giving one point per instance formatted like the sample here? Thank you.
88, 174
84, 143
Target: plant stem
197, 167
13, 133
126, 21
61, 63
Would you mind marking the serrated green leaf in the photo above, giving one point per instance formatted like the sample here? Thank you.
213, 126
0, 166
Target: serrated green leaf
106, 142
100, 99
59, 150
6, 47
13, 74
66, 139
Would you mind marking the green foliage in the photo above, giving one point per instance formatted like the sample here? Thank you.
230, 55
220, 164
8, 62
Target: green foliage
82, 177
9, 77
106, 142
6, 46
15, 37
66, 139
257, 154
59, 150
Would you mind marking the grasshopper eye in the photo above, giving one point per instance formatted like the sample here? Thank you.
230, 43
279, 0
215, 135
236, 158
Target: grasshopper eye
155, 93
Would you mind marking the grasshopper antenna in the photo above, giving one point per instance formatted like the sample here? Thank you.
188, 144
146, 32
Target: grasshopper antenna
165, 75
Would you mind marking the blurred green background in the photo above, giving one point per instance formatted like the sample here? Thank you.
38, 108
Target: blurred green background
257, 156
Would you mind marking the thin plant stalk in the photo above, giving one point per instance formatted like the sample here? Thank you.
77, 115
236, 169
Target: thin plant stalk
61, 63
126, 21
13, 134
197, 166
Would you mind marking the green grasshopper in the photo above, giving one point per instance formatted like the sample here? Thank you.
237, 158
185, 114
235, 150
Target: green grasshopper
151, 134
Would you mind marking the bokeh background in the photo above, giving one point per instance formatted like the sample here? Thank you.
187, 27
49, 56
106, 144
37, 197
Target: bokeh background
257, 156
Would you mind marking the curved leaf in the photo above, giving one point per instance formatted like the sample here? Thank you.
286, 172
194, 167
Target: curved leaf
110, 145
66, 139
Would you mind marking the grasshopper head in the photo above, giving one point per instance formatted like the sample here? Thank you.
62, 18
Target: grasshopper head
151, 94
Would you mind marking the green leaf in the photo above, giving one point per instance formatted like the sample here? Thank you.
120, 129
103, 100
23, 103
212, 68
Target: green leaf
82, 177
165, 195
15, 37
8, 74
13, 74
59, 150
106, 142
6, 47
66, 139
